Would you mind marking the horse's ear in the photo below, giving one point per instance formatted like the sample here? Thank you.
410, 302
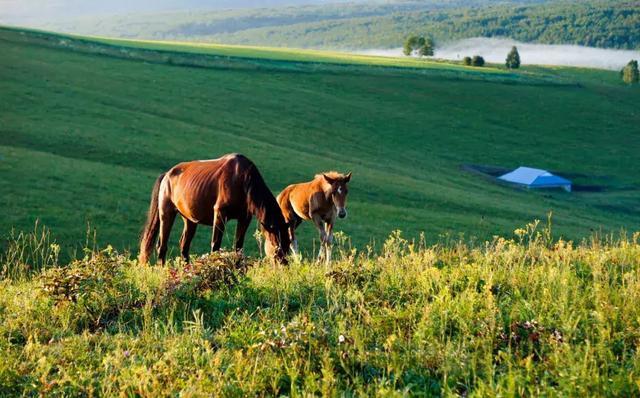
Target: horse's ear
347, 178
328, 179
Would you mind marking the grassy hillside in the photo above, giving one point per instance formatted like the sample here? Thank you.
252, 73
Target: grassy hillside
87, 125
508, 318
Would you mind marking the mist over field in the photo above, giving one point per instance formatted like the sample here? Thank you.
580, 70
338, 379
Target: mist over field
495, 51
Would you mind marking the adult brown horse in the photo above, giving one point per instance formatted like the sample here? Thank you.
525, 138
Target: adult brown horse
211, 192
319, 200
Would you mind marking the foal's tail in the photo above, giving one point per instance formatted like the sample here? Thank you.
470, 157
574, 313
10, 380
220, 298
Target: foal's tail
151, 227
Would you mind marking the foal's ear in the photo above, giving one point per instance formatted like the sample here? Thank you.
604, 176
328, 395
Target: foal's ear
347, 178
329, 179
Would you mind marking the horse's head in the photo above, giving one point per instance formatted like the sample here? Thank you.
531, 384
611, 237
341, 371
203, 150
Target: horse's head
277, 240
339, 191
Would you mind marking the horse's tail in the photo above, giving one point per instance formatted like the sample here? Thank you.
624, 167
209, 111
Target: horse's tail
151, 227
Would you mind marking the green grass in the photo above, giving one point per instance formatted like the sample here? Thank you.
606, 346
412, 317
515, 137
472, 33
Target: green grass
87, 125
510, 318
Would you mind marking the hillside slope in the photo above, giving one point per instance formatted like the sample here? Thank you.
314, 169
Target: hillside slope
85, 131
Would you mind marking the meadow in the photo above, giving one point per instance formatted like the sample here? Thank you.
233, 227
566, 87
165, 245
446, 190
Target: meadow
470, 299
88, 124
528, 316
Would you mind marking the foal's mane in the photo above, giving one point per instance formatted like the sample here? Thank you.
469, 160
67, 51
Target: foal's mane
330, 174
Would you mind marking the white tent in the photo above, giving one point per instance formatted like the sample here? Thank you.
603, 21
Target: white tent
536, 178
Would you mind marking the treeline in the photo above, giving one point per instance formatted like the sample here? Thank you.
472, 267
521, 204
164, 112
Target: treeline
605, 24
596, 23
205, 24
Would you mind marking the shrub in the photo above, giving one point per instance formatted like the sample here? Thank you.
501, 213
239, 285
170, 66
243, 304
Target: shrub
477, 60
630, 73
95, 289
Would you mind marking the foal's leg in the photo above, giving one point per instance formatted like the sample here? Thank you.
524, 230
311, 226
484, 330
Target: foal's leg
167, 214
319, 222
218, 230
328, 241
241, 231
293, 224
294, 241
188, 232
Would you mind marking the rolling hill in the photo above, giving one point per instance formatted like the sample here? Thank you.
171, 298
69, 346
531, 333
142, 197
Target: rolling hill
375, 25
88, 123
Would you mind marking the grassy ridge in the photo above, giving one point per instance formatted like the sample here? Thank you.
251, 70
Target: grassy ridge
85, 131
524, 317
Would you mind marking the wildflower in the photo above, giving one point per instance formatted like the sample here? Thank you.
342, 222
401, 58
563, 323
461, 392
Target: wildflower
341, 339
126, 353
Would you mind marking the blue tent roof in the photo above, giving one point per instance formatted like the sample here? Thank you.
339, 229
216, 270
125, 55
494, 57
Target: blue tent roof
535, 178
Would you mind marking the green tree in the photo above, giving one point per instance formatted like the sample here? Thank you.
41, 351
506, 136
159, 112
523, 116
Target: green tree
477, 60
630, 74
466, 61
427, 48
513, 58
410, 44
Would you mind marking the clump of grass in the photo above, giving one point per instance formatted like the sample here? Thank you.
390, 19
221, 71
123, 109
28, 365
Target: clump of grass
525, 316
28, 253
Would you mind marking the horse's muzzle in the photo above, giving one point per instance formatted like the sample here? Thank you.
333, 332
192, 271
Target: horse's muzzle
342, 213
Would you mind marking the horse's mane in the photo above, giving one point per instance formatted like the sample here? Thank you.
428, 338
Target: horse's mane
260, 200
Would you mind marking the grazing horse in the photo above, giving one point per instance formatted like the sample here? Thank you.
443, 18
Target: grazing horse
211, 192
320, 201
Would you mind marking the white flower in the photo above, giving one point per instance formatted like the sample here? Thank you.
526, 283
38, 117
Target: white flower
340, 339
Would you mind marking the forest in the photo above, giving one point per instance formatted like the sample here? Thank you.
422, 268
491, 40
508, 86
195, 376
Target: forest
596, 23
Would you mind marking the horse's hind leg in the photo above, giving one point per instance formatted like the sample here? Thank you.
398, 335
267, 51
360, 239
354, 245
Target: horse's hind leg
293, 224
188, 233
167, 213
218, 230
241, 231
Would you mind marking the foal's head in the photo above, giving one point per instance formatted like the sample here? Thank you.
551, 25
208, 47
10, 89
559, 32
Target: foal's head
339, 191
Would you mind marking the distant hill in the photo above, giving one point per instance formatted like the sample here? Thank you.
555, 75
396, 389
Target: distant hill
366, 25
16, 11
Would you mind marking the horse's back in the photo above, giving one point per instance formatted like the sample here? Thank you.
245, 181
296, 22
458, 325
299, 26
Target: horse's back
199, 185
296, 198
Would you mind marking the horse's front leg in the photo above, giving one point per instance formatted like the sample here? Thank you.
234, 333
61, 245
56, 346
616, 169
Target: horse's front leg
217, 234
328, 241
241, 230
320, 224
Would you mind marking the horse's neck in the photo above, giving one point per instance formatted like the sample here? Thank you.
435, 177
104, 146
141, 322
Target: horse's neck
318, 185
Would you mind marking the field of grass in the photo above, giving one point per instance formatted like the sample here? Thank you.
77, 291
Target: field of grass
510, 317
87, 125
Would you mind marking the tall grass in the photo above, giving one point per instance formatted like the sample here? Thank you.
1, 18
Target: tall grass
28, 253
526, 316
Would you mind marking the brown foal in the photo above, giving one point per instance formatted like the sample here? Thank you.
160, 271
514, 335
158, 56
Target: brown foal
320, 201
